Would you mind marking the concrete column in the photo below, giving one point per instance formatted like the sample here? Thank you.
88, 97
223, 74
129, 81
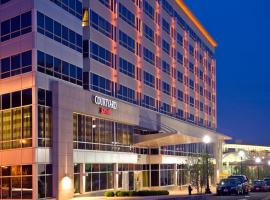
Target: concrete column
159, 175
217, 150
116, 176
62, 146
82, 178
175, 174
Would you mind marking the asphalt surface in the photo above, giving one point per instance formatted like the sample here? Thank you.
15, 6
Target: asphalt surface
251, 196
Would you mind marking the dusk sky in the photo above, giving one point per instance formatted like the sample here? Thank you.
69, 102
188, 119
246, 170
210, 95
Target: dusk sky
242, 31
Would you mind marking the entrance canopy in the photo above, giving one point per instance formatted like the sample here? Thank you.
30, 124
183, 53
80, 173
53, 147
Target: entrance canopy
173, 132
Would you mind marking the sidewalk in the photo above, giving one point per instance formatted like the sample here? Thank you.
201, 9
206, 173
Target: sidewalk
164, 197
174, 195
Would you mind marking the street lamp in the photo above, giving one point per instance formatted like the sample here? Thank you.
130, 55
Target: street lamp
241, 154
207, 140
258, 161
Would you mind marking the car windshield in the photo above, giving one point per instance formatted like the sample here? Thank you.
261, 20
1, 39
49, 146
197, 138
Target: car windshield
267, 181
258, 182
241, 178
226, 182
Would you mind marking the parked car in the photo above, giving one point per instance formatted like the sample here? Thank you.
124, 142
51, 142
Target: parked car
259, 186
244, 181
229, 186
267, 180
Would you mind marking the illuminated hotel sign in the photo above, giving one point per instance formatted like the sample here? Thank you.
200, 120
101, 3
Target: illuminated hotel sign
107, 103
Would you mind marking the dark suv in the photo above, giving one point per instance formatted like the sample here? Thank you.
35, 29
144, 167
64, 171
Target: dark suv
229, 186
244, 181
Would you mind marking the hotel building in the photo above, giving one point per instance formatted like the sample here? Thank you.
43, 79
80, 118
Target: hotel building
103, 94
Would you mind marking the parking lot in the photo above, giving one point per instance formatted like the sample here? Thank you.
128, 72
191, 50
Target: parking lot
251, 196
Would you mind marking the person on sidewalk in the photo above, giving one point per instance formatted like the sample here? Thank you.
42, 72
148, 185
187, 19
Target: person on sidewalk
189, 190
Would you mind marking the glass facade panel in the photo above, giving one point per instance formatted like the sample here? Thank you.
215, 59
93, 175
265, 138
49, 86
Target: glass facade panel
99, 134
16, 182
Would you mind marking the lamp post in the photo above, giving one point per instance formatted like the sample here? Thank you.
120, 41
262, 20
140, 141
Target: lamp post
207, 140
241, 154
258, 161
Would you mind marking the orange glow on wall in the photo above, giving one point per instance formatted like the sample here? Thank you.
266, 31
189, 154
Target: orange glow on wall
138, 43
196, 66
196, 22
157, 48
114, 44
204, 83
185, 63
173, 99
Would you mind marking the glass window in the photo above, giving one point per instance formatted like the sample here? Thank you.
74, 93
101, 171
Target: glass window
27, 97
26, 58
5, 64
15, 62
15, 23
6, 101
16, 99
5, 27
16, 26
26, 20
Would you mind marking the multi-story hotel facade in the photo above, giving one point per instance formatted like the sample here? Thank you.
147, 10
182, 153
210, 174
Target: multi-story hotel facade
103, 94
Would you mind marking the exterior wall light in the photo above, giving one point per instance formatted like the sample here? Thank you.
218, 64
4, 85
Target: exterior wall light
66, 183
206, 139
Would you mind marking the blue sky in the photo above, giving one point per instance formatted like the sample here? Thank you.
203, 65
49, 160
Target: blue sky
242, 31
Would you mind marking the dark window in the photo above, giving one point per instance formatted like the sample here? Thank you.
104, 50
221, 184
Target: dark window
6, 101
27, 97
16, 99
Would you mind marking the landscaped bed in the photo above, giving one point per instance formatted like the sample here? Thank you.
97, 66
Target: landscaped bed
136, 193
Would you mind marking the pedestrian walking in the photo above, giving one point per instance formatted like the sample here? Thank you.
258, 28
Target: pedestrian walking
189, 189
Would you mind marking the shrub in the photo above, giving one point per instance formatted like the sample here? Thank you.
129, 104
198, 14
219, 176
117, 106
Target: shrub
122, 193
136, 193
109, 194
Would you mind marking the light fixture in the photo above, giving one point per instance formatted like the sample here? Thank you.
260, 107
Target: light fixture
241, 153
258, 160
268, 162
66, 183
206, 139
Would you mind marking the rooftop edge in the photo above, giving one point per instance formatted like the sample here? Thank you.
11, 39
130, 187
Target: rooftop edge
196, 22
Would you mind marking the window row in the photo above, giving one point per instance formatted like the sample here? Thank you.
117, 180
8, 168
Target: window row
126, 15
16, 128
16, 64
16, 99
74, 7
126, 41
58, 32
58, 68
102, 25
126, 67
44, 118
16, 26
102, 55
99, 134
16, 182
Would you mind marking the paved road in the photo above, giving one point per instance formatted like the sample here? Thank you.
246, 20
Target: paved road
251, 196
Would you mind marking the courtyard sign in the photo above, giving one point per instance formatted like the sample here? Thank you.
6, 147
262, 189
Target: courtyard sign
108, 103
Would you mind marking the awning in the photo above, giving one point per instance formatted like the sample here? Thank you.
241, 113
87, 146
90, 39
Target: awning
173, 132
164, 139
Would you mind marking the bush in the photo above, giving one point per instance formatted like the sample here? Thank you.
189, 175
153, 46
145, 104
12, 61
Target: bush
109, 194
136, 193
152, 192
122, 193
